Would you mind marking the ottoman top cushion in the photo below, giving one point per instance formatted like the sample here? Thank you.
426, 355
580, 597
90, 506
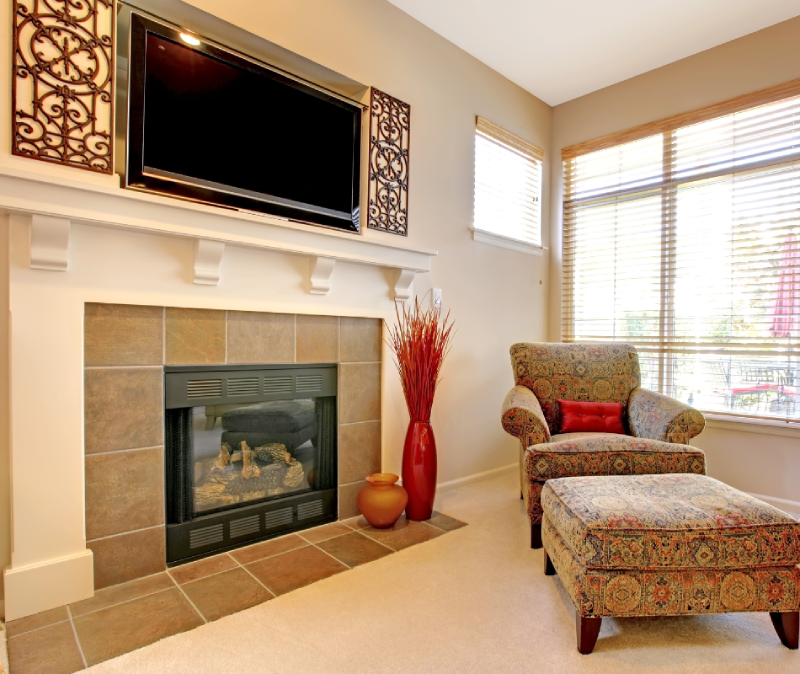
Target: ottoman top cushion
284, 416
662, 521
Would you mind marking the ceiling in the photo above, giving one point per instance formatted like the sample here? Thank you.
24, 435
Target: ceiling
561, 49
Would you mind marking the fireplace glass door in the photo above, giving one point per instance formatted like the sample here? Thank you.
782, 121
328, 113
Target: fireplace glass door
245, 453
250, 453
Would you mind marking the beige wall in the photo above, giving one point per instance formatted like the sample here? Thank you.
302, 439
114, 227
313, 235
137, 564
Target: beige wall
753, 461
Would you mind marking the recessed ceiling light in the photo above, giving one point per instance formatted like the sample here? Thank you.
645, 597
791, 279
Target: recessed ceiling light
190, 39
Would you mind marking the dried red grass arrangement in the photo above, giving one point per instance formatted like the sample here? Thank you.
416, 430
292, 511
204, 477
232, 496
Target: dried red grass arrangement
420, 341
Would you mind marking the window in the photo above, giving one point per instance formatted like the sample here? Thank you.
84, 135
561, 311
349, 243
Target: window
508, 189
685, 241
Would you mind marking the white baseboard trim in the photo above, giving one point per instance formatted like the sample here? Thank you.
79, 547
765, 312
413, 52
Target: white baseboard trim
780, 503
40, 587
476, 477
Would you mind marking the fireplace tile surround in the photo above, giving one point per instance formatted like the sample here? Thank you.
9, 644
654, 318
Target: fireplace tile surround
126, 347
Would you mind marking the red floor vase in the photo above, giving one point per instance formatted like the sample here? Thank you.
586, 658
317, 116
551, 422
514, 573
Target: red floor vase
419, 470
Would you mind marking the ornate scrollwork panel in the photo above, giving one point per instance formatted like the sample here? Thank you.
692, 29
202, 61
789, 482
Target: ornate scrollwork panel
63, 99
388, 163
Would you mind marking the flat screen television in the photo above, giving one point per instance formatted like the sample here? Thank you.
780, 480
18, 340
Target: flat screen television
211, 125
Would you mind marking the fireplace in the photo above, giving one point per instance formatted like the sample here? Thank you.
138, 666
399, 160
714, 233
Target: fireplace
250, 453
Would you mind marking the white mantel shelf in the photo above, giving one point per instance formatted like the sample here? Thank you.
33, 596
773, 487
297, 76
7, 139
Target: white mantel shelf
73, 201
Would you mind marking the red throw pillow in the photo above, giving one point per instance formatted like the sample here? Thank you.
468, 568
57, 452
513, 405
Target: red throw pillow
591, 417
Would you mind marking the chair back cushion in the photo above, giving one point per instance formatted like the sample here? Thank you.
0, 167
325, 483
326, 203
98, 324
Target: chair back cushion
597, 372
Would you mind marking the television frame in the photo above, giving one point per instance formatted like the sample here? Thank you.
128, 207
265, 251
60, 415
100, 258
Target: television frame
150, 179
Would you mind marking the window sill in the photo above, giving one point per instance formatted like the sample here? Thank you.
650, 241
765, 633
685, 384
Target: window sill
789, 429
506, 242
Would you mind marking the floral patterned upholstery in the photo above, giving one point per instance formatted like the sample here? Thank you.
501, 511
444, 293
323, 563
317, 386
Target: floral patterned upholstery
651, 545
573, 454
603, 373
659, 427
654, 415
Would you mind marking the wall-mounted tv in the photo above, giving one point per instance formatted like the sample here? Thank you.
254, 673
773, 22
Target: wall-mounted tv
211, 125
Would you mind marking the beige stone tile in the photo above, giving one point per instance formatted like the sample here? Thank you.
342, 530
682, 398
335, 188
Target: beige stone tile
124, 491
317, 339
324, 532
359, 451
354, 549
255, 337
123, 408
295, 569
50, 650
403, 534
123, 334
225, 593
37, 621
125, 627
195, 336
268, 548
444, 522
111, 596
360, 340
359, 392
347, 499
186, 573
119, 559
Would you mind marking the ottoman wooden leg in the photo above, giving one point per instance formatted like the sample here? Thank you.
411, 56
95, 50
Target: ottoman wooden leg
549, 569
536, 536
787, 625
587, 629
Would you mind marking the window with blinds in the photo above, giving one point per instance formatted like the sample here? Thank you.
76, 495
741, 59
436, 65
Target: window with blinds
686, 243
508, 189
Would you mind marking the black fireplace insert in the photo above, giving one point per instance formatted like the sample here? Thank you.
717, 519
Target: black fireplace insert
250, 453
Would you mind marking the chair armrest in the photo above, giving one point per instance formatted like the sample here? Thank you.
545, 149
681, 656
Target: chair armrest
658, 417
523, 418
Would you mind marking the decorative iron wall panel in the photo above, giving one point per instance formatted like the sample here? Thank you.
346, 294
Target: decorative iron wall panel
389, 129
63, 99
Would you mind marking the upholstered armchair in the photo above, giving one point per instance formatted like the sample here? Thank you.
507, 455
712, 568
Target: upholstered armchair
658, 428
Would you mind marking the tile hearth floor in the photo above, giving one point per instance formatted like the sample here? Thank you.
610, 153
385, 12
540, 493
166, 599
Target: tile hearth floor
125, 617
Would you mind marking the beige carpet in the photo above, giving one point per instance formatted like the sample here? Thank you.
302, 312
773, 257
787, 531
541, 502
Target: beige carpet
475, 600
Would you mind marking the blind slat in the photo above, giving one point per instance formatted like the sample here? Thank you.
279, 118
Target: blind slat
686, 243
508, 184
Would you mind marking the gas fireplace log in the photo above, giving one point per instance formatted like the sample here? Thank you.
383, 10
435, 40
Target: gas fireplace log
250, 467
224, 457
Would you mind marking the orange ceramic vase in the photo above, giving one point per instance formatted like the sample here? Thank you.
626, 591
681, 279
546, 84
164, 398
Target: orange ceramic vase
382, 501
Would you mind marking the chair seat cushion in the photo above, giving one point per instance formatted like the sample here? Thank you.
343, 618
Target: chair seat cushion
679, 521
571, 454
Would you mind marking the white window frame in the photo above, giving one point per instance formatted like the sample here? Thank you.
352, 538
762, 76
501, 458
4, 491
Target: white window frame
514, 144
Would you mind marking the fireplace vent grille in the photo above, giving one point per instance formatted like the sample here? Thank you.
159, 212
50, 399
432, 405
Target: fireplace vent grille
205, 536
309, 509
244, 526
278, 518
243, 387
277, 384
311, 383
204, 388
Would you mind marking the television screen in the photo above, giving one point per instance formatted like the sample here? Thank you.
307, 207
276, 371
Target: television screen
210, 125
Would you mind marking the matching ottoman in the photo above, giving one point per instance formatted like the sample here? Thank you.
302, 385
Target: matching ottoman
675, 544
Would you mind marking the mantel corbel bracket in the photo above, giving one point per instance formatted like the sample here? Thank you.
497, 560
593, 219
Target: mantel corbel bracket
321, 269
49, 242
402, 287
207, 261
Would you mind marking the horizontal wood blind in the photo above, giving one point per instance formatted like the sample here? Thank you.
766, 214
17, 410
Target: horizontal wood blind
686, 243
508, 184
